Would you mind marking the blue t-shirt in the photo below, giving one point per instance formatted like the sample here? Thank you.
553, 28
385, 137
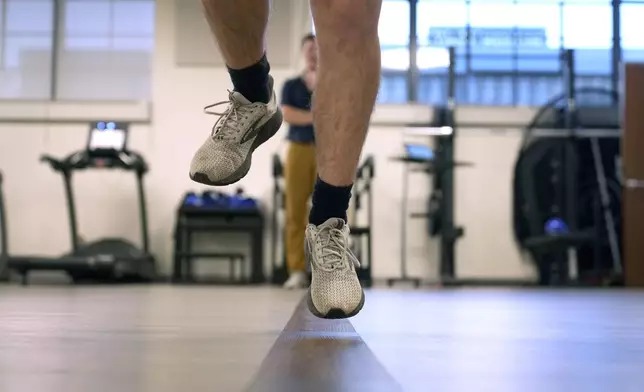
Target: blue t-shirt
296, 94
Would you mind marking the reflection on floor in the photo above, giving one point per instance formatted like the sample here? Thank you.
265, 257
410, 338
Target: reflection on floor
508, 340
163, 338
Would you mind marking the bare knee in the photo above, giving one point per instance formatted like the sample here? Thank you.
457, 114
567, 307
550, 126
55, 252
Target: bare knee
346, 19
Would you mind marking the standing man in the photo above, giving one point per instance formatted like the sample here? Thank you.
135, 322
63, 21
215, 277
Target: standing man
300, 171
346, 88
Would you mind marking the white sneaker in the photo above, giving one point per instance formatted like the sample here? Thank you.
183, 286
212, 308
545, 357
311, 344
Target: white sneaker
297, 280
226, 155
335, 290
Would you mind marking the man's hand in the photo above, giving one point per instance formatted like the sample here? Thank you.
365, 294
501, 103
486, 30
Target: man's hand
295, 116
309, 79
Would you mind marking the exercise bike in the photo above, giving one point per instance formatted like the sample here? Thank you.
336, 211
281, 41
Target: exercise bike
108, 260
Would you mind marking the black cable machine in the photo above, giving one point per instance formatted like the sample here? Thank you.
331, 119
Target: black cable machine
567, 190
441, 167
104, 260
361, 234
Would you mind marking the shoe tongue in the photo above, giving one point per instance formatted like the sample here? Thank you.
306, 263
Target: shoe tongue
334, 223
240, 98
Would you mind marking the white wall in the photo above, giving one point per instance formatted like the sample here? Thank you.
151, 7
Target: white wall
107, 206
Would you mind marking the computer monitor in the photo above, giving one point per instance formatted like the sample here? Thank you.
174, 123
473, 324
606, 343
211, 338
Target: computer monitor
419, 152
107, 136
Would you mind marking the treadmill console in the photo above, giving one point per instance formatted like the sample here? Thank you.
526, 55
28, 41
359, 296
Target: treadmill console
107, 138
419, 152
106, 148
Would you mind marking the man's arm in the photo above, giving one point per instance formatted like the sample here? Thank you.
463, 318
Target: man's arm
292, 114
295, 116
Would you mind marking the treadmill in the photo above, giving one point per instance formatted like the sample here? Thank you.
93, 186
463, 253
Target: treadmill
108, 260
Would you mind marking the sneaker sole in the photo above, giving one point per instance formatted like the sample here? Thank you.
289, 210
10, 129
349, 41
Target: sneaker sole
334, 313
266, 132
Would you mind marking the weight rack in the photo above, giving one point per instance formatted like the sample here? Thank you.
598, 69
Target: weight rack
441, 168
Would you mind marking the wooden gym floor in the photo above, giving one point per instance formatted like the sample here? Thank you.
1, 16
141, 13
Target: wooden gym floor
163, 338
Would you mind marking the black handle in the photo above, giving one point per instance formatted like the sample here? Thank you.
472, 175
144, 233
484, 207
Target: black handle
53, 162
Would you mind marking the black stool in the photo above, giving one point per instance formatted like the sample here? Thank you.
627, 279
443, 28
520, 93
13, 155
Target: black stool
192, 219
237, 273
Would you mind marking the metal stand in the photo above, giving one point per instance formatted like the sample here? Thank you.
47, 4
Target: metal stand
450, 233
442, 168
403, 234
570, 164
609, 219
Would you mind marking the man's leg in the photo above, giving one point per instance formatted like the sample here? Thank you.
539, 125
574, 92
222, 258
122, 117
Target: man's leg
299, 180
348, 80
252, 115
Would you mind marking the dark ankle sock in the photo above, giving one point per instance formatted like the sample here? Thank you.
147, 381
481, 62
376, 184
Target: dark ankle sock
252, 82
329, 202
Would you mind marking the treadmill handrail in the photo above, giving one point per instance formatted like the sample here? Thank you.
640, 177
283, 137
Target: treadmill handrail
127, 160
55, 164
81, 160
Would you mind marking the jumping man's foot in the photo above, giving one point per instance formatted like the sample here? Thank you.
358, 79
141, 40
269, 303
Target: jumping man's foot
335, 290
226, 155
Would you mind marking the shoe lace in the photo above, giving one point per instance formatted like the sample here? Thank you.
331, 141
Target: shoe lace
334, 249
227, 125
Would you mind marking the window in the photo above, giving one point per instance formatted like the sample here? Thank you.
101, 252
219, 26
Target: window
539, 43
588, 28
106, 50
103, 52
632, 15
26, 30
440, 25
538, 66
508, 51
393, 31
492, 47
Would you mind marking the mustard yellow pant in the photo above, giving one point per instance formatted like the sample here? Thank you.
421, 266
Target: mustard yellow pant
300, 175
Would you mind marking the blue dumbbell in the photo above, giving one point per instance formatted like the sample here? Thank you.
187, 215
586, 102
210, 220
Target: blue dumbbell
192, 199
555, 226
